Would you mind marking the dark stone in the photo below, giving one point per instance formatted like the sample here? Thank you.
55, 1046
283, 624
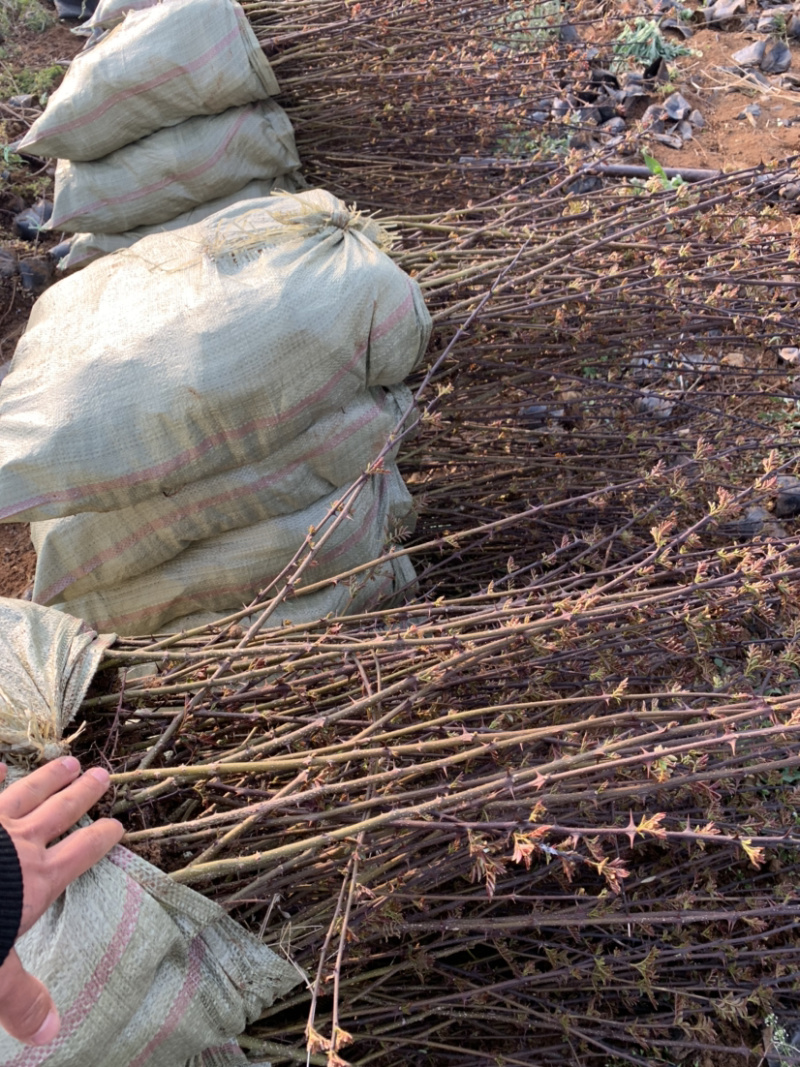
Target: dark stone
8, 263
696, 119
647, 368
600, 76
613, 125
726, 12
567, 34
750, 56
756, 522
537, 415
651, 404
793, 29
589, 116
752, 109
774, 21
59, 251
685, 130
755, 77
607, 112
658, 71
653, 118
678, 25
671, 140
560, 108
22, 101
787, 504
29, 223
588, 183
677, 107
617, 96
791, 191
587, 94
777, 58
539, 118
632, 96
36, 273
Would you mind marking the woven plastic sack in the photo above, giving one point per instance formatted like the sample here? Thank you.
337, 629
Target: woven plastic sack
144, 972
385, 585
111, 12
86, 247
160, 67
46, 663
200, 351
96, 550
174, 170
232, 568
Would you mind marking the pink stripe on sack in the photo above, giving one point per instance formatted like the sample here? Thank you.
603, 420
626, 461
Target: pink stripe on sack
188, 603
143, 87
172, 179
174, 1019
126, 543
159, 470
74, 1018
344, 546
397, 316
210, 1056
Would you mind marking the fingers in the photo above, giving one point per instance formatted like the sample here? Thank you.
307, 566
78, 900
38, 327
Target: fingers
74, 855
24, 796
59, 812
27, 1011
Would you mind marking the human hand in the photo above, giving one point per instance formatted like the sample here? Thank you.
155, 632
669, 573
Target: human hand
34, 811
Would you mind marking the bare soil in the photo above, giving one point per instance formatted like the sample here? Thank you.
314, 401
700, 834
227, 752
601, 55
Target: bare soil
729, 142
17, 559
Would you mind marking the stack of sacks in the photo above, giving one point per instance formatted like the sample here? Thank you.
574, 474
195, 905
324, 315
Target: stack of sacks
171, 110
220, 388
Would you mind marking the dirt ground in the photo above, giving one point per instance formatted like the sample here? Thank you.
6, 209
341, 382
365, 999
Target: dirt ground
17, 558
728, 142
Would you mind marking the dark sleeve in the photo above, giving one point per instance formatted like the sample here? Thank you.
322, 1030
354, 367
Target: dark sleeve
10, 894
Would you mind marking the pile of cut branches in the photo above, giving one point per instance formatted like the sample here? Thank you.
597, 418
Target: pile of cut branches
544, 812
390, 99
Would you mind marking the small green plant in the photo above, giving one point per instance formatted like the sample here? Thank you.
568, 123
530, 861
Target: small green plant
10, 158
28, 13
38, 83
525, 145
528, 26
645, 43
777, 1041
657, 171
780, 26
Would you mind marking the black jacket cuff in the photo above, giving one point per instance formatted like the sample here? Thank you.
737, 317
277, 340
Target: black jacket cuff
10, 894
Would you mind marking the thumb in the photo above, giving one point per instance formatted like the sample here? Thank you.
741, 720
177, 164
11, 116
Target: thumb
27, 1011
